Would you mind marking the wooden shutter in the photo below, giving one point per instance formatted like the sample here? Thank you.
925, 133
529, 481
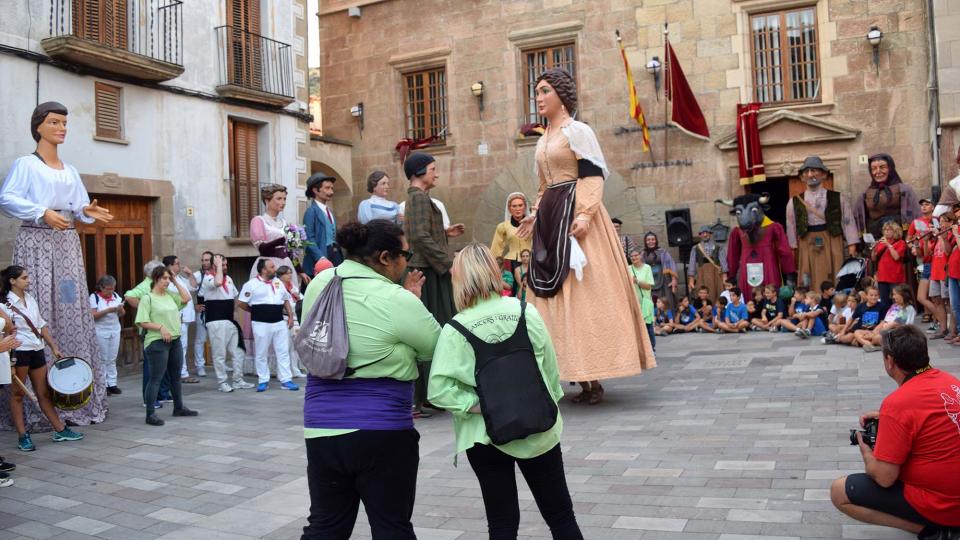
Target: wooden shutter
244, 173
108, 113
246, 62
102, 21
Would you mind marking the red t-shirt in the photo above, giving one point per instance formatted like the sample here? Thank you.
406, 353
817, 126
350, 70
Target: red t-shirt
938, 266
920, 431
919, 226
953, 264
889, 270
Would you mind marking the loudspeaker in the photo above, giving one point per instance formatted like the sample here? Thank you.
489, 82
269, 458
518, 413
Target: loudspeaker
679, 229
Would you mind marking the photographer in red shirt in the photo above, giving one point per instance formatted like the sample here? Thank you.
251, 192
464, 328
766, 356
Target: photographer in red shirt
911, 476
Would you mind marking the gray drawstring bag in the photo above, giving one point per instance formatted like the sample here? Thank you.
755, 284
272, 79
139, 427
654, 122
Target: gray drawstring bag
323, 341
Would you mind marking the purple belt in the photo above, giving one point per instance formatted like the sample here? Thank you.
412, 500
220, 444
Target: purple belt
374, 404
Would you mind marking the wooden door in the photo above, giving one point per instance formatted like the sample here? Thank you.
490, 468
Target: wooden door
120, 249
245, 57
244, 175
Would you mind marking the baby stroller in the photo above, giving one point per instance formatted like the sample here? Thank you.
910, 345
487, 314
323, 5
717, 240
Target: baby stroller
851, 272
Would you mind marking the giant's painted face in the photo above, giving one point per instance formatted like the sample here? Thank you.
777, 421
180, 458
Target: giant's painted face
749, 212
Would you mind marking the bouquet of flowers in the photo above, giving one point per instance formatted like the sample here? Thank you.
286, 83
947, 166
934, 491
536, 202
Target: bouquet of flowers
296, 242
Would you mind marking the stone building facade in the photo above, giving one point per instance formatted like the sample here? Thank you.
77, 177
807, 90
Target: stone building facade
844, 108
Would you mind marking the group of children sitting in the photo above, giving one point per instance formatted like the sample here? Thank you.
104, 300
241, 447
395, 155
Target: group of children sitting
855, 318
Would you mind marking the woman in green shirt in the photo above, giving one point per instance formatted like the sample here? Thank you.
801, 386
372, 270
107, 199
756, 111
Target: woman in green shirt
642, 276
159, 314
361, 442
452, 386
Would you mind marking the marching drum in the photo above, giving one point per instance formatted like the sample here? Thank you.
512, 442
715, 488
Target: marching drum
71, 383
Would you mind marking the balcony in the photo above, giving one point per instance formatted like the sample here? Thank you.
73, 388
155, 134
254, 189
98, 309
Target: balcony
254, 68
137, 38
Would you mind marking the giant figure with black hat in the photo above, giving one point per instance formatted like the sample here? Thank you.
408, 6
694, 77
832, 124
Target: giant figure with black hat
820, 223
319, 223
758, 250
47, 195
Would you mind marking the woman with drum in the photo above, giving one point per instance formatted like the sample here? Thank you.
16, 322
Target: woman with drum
159, 314
32, 331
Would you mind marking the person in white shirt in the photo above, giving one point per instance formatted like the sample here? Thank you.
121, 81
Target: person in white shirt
188, 314
219, 295
33, 334
8, 342
199, 330
266, 298
107, 308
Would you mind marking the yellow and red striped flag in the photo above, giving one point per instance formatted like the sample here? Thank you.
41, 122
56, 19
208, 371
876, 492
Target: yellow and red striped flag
636, 111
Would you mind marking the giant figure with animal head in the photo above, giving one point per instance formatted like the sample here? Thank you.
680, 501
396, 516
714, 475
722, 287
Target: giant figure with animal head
758, 252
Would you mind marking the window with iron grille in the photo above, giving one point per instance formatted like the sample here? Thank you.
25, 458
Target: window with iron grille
535, 62
108, 100
425, 103
786, 65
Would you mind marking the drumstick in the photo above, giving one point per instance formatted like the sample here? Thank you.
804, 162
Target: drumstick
23, 387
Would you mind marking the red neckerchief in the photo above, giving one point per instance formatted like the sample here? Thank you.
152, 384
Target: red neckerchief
224, 284
272, 287
290, 289
106, 298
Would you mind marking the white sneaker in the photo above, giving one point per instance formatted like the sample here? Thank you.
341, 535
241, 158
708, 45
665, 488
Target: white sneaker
6, 482
242, 385
299, 374
201, 372
225, 388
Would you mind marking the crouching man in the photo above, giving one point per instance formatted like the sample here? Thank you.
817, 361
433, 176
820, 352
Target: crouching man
910, 478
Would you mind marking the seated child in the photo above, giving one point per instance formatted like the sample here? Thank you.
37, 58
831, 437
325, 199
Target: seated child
840, 313
866, 317
738, 320
806, 320
687, 319
662, 318
719, 313
827, 292
900, 312
771, 310
704, 307
727, 286
865, 283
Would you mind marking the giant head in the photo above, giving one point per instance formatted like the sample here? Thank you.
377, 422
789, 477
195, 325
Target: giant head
750, 210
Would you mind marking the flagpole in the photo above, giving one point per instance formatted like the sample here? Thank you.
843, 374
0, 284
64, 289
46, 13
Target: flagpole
666, 81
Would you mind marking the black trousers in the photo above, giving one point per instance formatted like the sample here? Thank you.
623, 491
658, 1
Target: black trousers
545, 477
376, 467
163, 359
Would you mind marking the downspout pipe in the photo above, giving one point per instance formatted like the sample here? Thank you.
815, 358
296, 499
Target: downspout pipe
933, 93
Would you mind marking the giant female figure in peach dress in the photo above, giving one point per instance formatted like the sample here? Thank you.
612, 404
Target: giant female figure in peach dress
595, 322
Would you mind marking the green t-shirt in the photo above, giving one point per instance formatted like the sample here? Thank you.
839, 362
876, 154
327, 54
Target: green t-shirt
384, 320
164, 309
644, 275
452, 384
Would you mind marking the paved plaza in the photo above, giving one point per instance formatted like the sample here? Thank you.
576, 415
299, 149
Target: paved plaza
730, 438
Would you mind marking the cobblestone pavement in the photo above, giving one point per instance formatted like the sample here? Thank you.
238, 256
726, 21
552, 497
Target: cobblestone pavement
731, 438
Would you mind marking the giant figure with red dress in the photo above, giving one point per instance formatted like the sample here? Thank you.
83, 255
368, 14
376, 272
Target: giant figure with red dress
758, 250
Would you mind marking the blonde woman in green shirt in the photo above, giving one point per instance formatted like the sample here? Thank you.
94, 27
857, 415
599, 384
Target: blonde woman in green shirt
643, 282
452, 386
159, 314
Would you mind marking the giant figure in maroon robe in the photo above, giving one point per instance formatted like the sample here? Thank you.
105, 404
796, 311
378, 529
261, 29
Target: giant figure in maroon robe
758, 247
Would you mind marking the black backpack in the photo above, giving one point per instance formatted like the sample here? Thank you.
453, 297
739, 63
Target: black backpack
514, 399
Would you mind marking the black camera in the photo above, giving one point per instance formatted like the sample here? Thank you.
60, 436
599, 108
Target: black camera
869, 433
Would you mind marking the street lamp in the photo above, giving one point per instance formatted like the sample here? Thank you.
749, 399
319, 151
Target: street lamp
477, 90
357, 112
874, 37
653, 68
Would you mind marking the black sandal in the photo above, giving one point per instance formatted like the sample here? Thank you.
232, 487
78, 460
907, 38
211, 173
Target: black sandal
582, 396
596, 395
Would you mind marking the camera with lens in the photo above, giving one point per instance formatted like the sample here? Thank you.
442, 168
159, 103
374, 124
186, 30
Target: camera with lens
869, 433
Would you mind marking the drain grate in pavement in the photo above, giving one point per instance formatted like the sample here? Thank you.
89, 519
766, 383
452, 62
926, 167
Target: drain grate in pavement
730, 362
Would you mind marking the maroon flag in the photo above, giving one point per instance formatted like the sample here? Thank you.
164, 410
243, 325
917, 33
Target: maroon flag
749, 151
686, 111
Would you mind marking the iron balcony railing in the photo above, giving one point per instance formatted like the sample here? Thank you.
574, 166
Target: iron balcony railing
150, 28
255, 62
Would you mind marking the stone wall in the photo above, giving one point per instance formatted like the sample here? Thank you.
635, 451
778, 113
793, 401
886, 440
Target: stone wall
363, 60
